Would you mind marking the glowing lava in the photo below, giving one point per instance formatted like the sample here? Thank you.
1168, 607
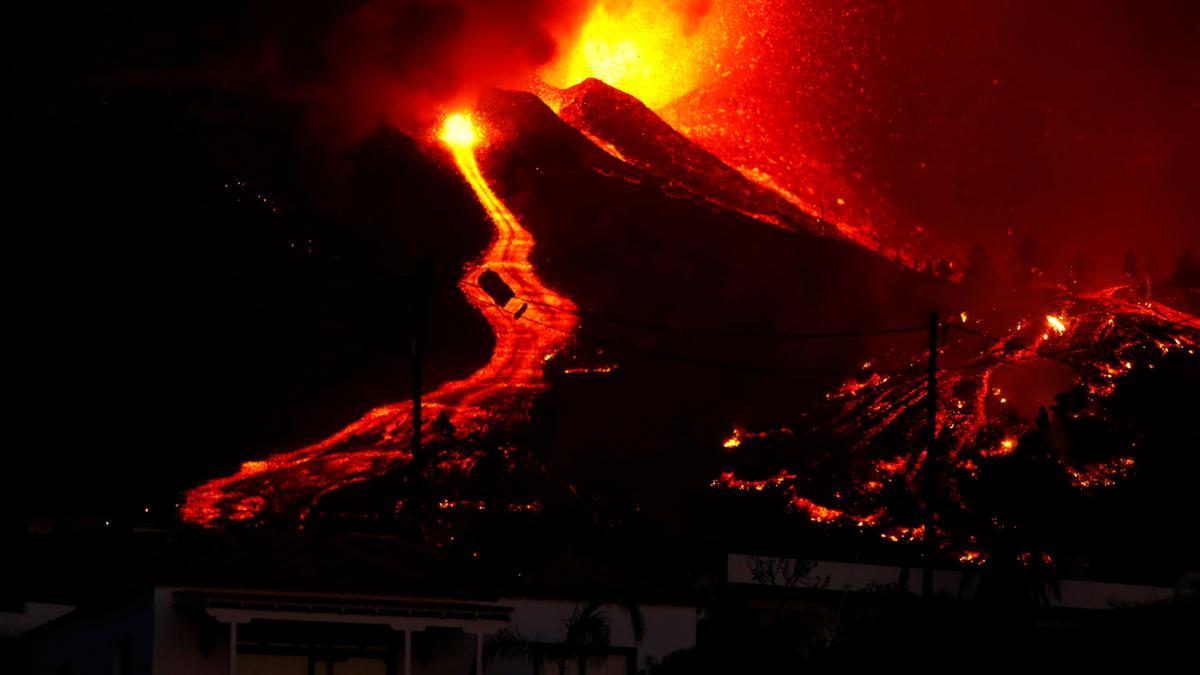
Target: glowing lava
1108, 335
494, 396
655, 50
459, 131
713, 72
1056, 323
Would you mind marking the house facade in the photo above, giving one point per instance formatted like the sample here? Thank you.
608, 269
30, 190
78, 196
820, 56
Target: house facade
172, 630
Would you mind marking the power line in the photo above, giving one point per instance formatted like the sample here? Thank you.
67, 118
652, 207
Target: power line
709, 363
764, 370
703, 362
717, 332
1054, 355
739, 367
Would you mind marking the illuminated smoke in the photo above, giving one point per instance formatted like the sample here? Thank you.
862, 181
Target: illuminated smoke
653, 49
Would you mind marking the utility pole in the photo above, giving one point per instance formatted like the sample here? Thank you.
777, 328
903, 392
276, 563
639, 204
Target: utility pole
931, 396
421, 283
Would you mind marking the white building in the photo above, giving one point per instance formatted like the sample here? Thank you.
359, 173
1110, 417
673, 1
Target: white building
168, 630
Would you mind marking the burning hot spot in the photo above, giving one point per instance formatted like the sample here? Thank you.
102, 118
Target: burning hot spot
459, 131
1057, 324
656, 50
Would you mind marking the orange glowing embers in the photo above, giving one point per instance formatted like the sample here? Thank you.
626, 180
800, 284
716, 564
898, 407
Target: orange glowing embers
972, 558
729, 480
907, 534
1102, 474
1057, 324
1108, 334
656, 50
592, 370
1006, 447
816, 512
1027, 559
495, 395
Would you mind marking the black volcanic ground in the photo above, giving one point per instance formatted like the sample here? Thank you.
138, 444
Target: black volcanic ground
200, 285
217, 287
631, 249
646, 141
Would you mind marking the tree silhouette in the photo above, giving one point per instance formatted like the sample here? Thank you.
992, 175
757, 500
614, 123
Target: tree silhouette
1081, 273
1130, 265
1027, 263
980, 274
1187, 271
1138, 279
585, 633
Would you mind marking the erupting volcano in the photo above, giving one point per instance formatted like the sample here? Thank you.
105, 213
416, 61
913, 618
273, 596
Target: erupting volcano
529, 333
659, 336
628, 134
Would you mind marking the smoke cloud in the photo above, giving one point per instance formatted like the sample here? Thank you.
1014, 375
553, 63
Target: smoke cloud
403, 62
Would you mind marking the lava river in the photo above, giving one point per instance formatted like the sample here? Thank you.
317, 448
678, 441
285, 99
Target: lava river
497, 394
1092, 340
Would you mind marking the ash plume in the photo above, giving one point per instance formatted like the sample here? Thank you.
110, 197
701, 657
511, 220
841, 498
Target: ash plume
400, 61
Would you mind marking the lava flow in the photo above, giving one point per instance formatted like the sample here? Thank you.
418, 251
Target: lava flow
493, 396
988, 400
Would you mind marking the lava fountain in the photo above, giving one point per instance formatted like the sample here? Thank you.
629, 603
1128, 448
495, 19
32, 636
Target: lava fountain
748, 82
656, 50
540, 323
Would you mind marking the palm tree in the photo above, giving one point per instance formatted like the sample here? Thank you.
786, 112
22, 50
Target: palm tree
585, 633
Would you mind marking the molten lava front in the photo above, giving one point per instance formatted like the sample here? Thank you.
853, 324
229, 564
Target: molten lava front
491, 398
988, 398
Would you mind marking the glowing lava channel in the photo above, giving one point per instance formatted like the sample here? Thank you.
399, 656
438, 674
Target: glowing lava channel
1098, 337
495, 395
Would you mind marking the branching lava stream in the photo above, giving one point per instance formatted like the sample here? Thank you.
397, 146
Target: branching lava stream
493, 396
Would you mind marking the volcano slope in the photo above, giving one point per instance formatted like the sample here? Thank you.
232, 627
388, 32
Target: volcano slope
689, 316
861, 462
624, 127
683, 296
629, 243
1083, 405
693, 316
